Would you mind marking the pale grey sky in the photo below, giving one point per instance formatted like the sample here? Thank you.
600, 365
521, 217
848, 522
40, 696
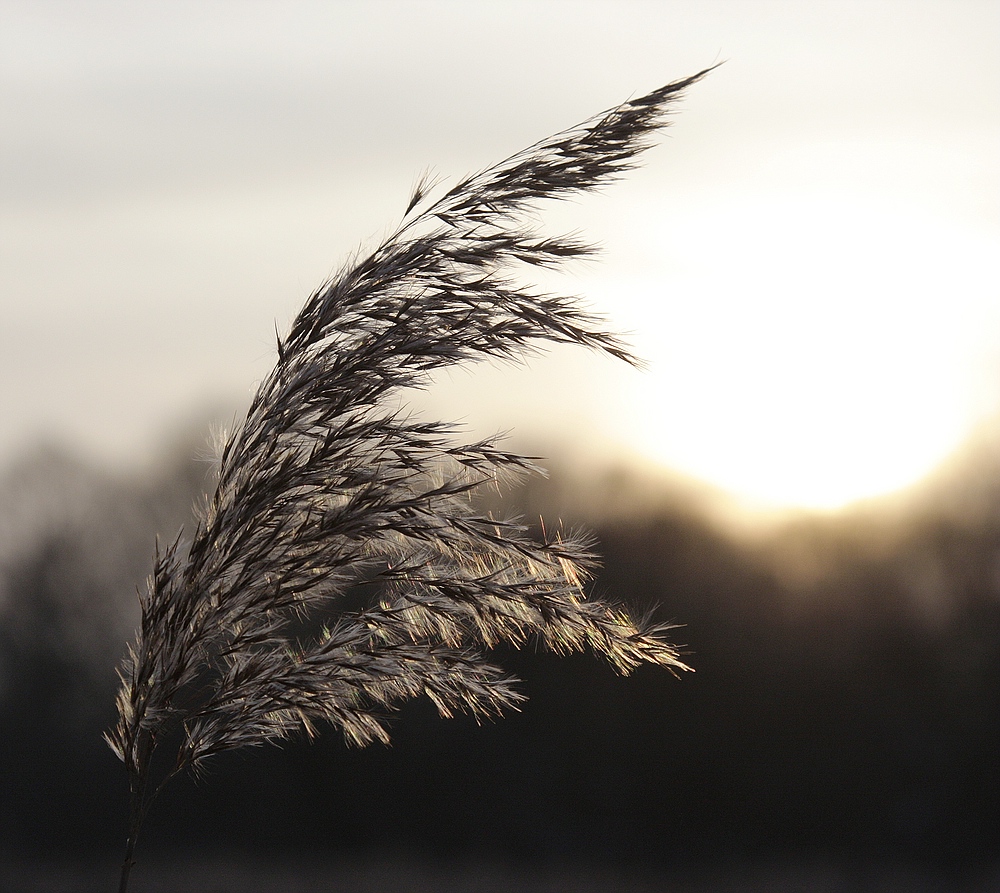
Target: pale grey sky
815, 241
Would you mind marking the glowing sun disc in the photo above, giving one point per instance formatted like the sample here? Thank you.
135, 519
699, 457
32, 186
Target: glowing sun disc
812, 353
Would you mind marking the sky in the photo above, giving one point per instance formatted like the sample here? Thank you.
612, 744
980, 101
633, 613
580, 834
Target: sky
807, 259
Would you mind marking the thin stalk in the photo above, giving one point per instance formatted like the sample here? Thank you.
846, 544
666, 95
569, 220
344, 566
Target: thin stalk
137, 812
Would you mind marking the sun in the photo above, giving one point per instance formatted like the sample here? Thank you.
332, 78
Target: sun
812, 353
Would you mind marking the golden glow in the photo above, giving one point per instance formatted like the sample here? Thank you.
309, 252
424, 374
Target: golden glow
813, 353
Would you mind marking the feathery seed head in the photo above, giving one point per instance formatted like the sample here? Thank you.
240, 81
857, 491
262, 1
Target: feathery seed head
327, 498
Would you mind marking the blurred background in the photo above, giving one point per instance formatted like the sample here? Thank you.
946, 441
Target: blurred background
807, 476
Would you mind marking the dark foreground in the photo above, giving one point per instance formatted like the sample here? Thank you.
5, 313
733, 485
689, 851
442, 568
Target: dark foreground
402, 877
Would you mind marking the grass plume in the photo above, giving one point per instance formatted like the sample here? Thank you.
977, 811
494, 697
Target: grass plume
328, 488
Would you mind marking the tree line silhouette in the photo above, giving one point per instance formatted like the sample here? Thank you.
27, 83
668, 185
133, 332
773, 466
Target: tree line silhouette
846, 699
